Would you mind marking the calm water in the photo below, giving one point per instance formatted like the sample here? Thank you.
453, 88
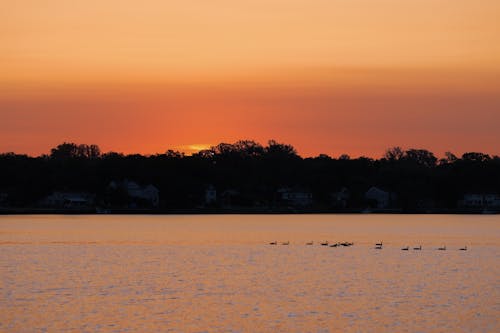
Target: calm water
217, 274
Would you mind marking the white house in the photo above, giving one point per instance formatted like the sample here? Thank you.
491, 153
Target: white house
68, 200
476, 200
340, 198
3, 198
228, 197
210, 195
148, 193
296, 197
382, 198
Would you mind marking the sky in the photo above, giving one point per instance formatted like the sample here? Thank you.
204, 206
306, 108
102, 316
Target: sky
327, 76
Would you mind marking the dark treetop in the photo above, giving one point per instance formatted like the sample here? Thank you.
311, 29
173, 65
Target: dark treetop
248, 176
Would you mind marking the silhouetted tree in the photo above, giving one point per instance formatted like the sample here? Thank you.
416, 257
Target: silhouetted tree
72, 150
394, 154
90, 151
253, 171
280, 149
249, 148
476, 157
449, 158
64, 151
174, 154
421, 157
323, 157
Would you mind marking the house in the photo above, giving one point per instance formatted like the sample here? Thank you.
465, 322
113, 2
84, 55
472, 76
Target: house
295, 197
210, 195
480, 200
427, 204
229, 197
68, 200
4, 199
149, 193
339, 199
381, 198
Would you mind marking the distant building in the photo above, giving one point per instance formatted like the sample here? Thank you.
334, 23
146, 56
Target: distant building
381, 198
68, 200
148, 193
210, 195
340, 198
475, 200
229, 197
296, 197
427, 204
4, 199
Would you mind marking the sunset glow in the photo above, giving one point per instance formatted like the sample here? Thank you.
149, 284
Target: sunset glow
330, 77
249, 165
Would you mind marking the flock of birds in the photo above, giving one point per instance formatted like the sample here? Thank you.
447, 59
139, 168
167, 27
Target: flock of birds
378, 246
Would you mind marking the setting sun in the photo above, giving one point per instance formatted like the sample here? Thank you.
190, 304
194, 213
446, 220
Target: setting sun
193, 148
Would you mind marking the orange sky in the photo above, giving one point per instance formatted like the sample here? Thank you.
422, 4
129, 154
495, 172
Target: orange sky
328, 76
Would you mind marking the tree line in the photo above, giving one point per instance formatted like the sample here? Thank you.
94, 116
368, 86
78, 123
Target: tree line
256, 172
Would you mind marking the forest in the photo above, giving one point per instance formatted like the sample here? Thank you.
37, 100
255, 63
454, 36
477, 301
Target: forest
247, 175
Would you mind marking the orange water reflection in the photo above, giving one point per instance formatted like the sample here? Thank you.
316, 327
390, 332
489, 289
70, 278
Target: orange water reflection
217, 274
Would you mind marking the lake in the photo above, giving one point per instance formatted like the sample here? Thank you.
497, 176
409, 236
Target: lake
218, 273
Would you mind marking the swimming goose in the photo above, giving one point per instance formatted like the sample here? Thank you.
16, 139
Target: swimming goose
418, 248
378, 244
405, 248
273, 243
378, 247
463, 248
442, 248
324, 243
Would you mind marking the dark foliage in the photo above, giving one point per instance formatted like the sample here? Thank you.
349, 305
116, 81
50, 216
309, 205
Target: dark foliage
254, 171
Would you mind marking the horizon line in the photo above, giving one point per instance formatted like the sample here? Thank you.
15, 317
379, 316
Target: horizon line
192, 149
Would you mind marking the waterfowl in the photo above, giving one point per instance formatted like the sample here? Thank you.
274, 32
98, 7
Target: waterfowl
442, 248
405, 248
324, 243
463, 248
418, 248
273, 243
346, 243
378, 244
286, 243
310, 243
378, 247
334, 245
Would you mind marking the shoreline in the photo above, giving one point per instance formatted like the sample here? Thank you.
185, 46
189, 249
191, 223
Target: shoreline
237, 211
